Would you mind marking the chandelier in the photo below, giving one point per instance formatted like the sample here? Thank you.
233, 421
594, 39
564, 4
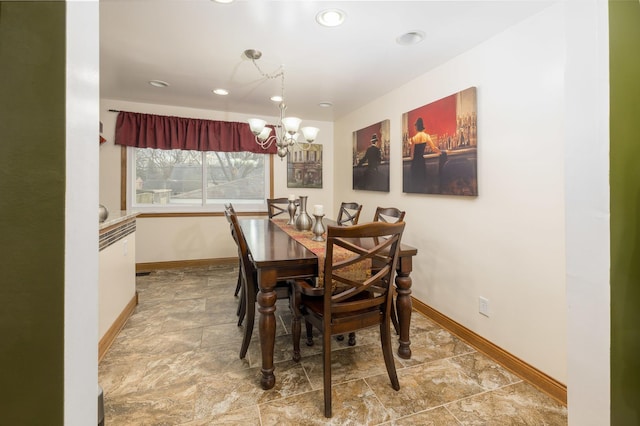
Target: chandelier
286, 129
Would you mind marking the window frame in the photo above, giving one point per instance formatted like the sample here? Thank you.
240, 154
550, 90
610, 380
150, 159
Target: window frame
167, 210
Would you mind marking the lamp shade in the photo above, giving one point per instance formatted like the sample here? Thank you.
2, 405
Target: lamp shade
264, 134
291, 124
310, 133
256, 125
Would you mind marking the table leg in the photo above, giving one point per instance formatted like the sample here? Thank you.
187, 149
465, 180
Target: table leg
403, 305
267, 306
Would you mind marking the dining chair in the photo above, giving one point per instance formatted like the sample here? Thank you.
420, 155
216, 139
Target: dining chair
229, 207
390, 215
229, 210
278, 206
249, 282
348, 214
357, 293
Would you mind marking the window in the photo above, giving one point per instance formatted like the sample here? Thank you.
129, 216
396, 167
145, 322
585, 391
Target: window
195, 181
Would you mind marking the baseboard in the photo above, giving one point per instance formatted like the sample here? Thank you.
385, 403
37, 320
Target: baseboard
115, 328
537, 378
173, 264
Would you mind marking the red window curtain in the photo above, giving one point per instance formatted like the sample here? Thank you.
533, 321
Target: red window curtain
164, 132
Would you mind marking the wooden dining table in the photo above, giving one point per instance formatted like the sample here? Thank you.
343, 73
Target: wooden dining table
278, 256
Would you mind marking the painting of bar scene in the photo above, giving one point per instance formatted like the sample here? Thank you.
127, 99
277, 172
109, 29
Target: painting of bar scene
371, 157
439, 146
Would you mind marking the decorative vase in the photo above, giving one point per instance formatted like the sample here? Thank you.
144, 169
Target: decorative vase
303, 222
318, 228
292, 212
103, 213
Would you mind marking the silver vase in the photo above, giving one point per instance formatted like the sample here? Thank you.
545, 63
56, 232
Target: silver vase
291, 208
318, 228
303, 222
103, 213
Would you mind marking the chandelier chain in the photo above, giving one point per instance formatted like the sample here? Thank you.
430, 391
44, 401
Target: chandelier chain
278, 73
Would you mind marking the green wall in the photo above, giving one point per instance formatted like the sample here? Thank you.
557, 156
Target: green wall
32, 208
624, 45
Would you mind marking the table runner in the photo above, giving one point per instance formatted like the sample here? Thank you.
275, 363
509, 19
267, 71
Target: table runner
360, 269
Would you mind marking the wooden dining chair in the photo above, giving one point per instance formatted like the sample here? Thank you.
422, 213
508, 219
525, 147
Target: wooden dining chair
357, 291
228, 212
249, 282
278, 206
390, 215
348, 214
231, 210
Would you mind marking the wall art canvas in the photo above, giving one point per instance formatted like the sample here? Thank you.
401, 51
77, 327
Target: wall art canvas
371, 157
304, 166
439, 146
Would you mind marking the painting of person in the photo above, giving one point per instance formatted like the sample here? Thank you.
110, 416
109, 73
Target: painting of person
373, 158
418, 144
439, 146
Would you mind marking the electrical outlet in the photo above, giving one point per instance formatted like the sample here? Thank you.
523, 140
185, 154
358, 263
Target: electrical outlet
483, 306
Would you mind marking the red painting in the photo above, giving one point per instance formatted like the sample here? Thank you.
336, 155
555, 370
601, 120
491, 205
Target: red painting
439, 146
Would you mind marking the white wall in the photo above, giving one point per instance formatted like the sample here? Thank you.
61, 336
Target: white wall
81, 216
192, 238
587, 212
508, 243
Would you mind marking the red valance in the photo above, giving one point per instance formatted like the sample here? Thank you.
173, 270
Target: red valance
165, 132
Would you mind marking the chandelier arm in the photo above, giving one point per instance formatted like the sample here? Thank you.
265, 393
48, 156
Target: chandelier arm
267, 142
302, 145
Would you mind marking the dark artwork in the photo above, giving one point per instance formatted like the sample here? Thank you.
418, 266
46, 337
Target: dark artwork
304, 166
439, 146
371, 157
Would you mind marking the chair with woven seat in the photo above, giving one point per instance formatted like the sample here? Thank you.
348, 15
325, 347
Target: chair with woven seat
349, 214
359, 267
390, 215
249, 281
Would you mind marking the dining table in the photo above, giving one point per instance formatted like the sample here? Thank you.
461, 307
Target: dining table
278, 255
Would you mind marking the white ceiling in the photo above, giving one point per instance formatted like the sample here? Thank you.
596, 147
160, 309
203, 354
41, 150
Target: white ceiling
197, 45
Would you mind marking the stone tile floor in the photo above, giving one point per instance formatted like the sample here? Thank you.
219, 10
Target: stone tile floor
176, 363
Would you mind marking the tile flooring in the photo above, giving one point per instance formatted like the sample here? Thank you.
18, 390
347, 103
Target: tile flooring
176, 363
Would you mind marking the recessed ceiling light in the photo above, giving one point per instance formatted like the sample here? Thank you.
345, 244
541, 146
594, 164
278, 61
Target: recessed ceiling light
221, 92
222, 1
276, 98
325, 104
411, 37
330, 17
158, 83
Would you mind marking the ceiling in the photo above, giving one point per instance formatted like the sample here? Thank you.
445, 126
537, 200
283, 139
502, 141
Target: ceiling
198, 45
